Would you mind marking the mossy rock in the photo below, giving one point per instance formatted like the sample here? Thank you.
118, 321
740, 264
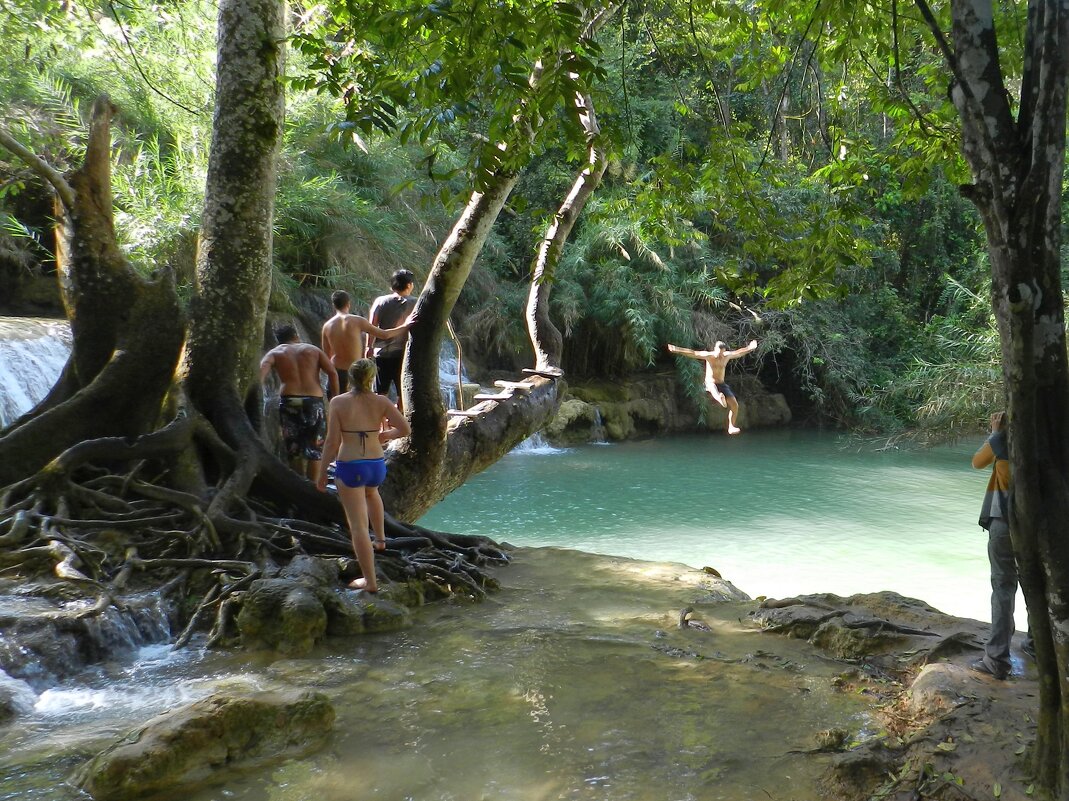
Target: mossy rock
282, 614
206, 742
599, 392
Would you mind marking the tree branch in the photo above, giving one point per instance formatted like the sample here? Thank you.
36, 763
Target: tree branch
40, 167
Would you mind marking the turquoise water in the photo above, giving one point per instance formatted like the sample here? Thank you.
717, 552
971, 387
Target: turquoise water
777, 513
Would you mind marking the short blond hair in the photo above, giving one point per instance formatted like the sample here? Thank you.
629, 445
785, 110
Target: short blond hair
362, 375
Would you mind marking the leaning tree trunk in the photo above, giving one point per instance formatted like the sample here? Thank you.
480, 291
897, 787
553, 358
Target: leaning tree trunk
127, 331
1017, 167
439, 456
415, 480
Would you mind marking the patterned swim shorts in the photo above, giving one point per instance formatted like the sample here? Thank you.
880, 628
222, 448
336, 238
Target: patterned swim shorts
304, 426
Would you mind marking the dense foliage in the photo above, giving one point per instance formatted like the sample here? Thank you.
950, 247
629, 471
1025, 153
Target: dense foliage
749, 193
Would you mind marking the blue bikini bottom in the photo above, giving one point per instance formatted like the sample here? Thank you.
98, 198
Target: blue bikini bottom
360, 472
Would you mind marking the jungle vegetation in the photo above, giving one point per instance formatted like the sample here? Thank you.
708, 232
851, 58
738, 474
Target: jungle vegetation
846, 181
887, 330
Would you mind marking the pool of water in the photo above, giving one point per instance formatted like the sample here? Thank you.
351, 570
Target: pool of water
778, 513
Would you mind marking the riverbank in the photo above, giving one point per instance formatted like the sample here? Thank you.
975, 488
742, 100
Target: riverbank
577, 679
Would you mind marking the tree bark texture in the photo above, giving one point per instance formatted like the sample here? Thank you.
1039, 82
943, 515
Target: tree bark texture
1017, 167
234, 252
127, 331
546, 339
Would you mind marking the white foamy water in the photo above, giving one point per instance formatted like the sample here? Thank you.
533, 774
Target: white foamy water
32, 354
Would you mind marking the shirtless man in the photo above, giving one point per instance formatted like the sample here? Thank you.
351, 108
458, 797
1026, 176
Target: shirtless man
716, 361
300, 407
343, 337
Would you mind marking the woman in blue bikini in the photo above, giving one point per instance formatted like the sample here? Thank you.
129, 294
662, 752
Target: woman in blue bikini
355, 436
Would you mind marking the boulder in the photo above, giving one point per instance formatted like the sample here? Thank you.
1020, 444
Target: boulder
655, 403
205, 742
16, 697
938, 688
282, 614
295, 610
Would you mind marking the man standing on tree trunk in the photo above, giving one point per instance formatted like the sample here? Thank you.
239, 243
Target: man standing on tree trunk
388, 311
300, 405
716, 362
343, 337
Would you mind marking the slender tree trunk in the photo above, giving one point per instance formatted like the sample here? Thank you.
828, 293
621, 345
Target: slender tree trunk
1017, 167
545, 338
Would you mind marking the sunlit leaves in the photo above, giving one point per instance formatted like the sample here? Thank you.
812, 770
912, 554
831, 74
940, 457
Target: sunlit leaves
505, 69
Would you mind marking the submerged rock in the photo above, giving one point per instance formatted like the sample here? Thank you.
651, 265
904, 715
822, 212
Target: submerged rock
207, 741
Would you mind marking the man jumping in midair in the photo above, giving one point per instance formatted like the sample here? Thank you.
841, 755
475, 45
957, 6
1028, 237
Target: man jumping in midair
716, 361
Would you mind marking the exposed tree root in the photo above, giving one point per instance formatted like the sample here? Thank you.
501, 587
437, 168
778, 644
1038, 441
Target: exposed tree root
108, 531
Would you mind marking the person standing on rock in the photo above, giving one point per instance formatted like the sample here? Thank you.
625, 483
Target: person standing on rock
716, 362
300, 405
994, 517
355, 435
386, 312
343, 336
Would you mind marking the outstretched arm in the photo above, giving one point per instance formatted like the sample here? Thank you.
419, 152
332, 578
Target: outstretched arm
383, 333
693, 354
734, 354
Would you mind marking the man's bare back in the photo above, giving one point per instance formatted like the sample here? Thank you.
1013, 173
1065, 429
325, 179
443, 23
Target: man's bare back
298, 365
344, 337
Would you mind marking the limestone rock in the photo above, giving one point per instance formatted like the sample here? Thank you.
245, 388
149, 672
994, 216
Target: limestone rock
938, 687
283, 614
295, 610
206, 741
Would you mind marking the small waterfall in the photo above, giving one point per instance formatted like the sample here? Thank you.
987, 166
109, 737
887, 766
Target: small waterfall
32, 354
49, 642
448, 368
597, 431
536, 444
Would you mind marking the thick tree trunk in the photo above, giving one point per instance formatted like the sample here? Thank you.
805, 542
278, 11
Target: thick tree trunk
1017, 167
117, 376
415, 479
234, 252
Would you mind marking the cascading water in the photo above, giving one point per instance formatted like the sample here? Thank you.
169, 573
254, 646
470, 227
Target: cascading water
597, 433
451, 375
32, 354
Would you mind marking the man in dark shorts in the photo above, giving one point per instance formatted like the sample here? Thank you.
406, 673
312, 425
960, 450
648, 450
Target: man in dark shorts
301, 412
386, 312
716, 362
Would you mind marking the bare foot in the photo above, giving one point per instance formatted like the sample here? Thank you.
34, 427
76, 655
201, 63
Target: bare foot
380, 545
734, 429
362, 584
